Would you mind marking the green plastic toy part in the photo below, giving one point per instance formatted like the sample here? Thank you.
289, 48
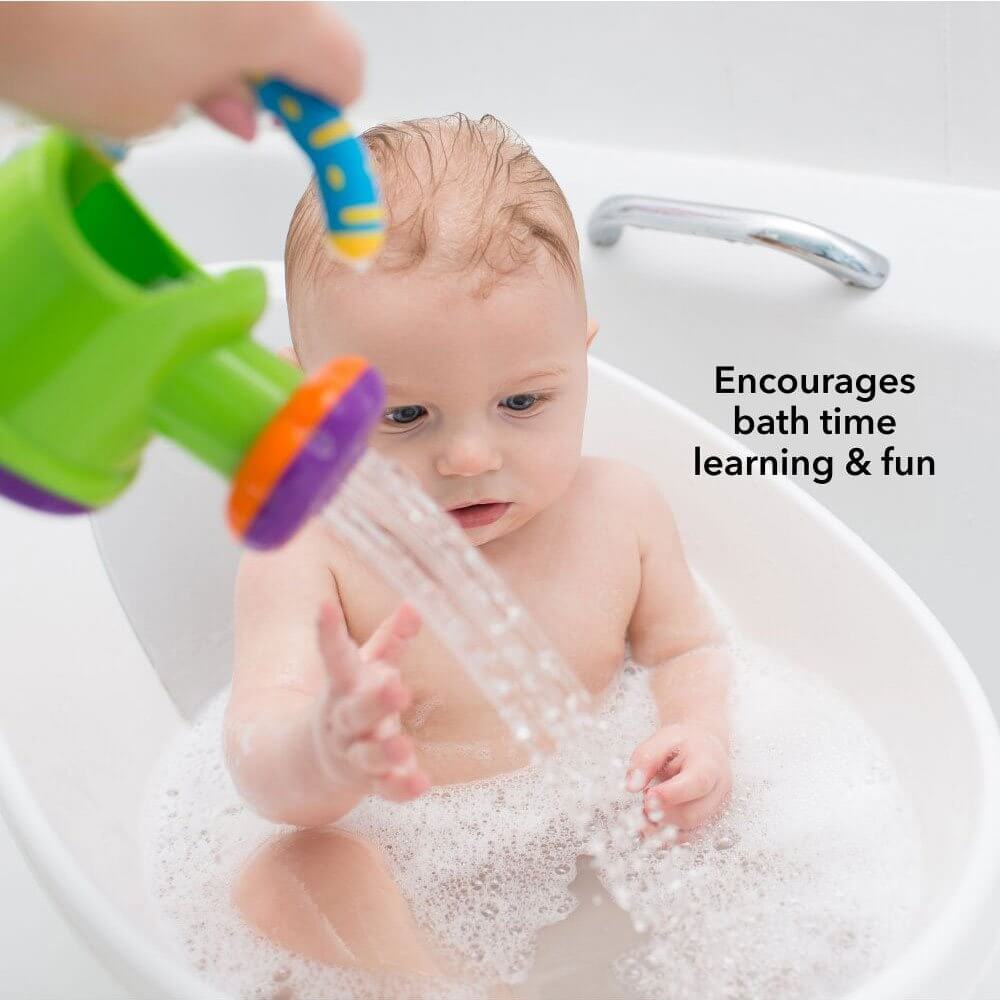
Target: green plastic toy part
109, 333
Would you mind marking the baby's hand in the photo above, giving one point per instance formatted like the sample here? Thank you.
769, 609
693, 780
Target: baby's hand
358, 724
684, 774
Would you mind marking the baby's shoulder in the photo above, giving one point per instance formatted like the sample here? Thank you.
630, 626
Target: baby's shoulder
619, 488
627, 504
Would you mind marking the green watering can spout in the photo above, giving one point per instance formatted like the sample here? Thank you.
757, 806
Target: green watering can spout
109, 334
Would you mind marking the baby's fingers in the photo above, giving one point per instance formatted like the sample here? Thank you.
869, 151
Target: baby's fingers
378, 757
692, 783
379, 696
403, 784
648, 758
389, 640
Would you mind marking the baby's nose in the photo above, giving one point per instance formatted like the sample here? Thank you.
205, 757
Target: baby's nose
468, 455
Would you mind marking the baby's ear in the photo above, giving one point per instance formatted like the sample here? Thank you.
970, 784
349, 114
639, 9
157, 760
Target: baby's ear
591, 331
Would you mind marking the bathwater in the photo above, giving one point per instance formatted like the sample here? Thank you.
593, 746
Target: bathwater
801, 888
422, 551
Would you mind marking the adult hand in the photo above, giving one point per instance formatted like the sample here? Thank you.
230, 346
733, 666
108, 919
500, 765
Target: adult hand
120, 69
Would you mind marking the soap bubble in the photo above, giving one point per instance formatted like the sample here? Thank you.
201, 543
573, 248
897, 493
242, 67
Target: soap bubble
781, 896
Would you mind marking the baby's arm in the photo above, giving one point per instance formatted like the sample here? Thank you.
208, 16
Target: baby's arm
312, 726
673, 632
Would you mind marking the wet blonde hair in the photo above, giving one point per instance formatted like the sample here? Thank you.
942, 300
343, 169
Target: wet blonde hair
460, 196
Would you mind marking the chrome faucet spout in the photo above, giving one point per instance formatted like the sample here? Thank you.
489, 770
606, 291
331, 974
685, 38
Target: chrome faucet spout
844, 258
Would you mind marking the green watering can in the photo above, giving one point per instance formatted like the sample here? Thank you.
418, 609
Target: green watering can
110, 334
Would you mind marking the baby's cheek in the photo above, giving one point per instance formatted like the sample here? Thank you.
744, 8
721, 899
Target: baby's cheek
409, 453
553, 464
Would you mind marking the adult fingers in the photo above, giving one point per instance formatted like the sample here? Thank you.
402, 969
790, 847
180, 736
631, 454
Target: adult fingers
318, 52
233, 108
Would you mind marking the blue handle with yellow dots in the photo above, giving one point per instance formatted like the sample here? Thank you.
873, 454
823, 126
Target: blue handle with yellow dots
355, 220
347, 187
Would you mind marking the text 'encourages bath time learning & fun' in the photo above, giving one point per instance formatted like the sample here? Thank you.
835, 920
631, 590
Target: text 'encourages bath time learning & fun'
880, 458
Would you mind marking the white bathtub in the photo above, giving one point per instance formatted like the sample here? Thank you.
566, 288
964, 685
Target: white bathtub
82, 714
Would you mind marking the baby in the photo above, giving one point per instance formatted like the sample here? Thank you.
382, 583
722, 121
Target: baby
475, 316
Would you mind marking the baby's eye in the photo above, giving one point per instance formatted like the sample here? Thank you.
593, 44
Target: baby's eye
521, 402
400, 415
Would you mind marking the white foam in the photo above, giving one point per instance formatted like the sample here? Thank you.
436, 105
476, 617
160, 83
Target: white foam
199, 833
799, 890
808, 881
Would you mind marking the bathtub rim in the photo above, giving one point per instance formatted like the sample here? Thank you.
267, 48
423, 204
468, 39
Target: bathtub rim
147, 967
923, 956
128, 956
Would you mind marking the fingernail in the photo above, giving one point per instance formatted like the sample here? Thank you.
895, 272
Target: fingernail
404, 770
232, 114
389, 726
634, 780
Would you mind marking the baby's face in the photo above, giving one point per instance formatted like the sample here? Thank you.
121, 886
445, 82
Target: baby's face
485, 397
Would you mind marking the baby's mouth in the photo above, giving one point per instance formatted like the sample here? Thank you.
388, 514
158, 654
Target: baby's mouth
476, 515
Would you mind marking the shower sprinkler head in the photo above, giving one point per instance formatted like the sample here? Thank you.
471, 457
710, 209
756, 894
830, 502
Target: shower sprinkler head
305, 452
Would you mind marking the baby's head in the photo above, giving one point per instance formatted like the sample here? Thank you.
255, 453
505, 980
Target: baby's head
474, 314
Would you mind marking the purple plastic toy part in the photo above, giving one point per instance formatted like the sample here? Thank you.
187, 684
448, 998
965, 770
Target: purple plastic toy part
29, 495
322, 464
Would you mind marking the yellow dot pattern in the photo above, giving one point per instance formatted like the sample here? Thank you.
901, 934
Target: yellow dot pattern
351, 215
328, 134
356, 247
336, 177
290, 108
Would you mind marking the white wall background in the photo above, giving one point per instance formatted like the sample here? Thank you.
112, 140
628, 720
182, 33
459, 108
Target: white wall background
903, 89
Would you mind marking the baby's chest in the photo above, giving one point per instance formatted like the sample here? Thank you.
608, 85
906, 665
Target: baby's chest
584, 609
580, 594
